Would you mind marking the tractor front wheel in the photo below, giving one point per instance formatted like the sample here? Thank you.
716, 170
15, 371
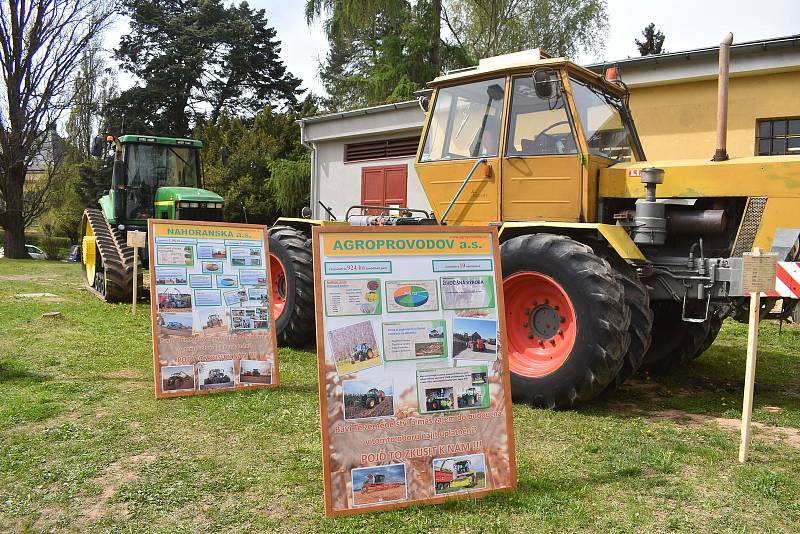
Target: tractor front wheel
566, 319
292, 281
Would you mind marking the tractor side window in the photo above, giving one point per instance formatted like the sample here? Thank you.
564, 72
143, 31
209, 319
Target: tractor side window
465, 122
606, 134
538, 126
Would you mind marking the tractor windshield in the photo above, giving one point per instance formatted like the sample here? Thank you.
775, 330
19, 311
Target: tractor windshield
149, 167
608, 134
465, 122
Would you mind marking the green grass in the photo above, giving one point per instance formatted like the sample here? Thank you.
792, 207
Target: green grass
84, 446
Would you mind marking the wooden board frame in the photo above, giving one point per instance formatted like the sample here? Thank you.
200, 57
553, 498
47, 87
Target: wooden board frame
154, 308
317, 231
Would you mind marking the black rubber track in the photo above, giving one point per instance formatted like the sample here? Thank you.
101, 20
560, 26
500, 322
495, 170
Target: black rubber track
602, 318
638, 300
674, 341
292, 247
115, 262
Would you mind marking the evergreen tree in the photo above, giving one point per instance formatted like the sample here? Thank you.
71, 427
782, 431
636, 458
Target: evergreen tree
194, 59
653, 41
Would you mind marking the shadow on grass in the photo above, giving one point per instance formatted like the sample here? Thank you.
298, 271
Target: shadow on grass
11, 371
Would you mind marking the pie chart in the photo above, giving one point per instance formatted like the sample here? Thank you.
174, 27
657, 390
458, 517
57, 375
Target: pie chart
411, 296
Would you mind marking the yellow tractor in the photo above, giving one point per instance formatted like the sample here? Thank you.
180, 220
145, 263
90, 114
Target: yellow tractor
610, 261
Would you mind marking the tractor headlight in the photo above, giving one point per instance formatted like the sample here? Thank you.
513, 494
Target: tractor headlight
193, 205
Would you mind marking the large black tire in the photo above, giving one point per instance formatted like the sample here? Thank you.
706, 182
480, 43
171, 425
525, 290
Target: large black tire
601, 319
674, 341
292, 248
714, 326
638, 300
114, 260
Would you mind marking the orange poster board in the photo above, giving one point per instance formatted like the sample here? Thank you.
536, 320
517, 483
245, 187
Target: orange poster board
210, 295
414, 382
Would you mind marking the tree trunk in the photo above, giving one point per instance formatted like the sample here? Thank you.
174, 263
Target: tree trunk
13, 222
436, 38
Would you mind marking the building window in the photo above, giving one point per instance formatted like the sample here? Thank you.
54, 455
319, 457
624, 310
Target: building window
778, 136
387, 148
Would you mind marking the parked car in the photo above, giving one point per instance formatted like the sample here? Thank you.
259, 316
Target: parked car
74, 255
33, 251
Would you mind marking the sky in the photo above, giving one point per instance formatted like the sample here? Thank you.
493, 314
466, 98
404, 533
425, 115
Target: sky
687, 24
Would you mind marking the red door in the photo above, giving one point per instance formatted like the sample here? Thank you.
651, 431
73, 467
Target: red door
384, 186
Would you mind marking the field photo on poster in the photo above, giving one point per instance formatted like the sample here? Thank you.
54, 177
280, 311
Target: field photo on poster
474, 339
255, 372
174, 324
177, 378
257, 296
380, 484
368, 398
415, 340
174, 299
459, 473
170, 276
215, 375
354, 348
213, 320
452, 388
245, 257
211, 251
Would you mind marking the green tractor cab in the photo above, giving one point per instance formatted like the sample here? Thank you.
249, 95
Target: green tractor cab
153, 178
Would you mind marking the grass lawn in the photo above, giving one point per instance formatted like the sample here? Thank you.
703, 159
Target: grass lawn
84, 446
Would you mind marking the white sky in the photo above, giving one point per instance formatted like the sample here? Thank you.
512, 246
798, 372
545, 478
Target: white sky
687, 24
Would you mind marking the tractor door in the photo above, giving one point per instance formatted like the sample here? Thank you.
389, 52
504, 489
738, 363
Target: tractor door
541, 166
463, 127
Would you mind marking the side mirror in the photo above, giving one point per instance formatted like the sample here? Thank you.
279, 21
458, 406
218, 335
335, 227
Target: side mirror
546, 84
225, 154
424, 103
97, 146
305, 212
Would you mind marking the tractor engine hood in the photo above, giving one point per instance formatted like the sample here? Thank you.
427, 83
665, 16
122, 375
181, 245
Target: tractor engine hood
190, 194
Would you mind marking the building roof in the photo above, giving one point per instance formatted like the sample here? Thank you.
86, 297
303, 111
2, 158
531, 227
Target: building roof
751, 57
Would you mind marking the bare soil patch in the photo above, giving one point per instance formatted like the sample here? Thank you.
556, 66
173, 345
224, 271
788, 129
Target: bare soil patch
114, 476
383, 495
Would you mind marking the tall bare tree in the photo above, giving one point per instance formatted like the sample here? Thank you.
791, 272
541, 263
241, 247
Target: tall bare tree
41, 42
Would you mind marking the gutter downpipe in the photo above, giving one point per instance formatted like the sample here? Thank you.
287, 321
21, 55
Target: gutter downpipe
313, 189
721, 153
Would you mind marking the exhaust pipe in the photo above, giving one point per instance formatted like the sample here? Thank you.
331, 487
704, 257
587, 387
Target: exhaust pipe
721, 154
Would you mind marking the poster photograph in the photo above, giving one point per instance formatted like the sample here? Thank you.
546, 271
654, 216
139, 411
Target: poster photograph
212, 326
414, 392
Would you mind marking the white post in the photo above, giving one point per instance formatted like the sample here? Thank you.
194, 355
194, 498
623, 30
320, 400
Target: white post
135, 278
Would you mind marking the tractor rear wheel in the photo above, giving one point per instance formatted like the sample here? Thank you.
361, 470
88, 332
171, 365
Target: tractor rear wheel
106, 262
292, 280
674, 340
566, 319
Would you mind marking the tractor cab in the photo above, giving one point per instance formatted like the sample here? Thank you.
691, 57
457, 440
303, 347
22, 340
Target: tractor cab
157, 177
461, 467
532, 133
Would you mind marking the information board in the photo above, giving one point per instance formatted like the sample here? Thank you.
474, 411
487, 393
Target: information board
210, 297
758, 271
413, 376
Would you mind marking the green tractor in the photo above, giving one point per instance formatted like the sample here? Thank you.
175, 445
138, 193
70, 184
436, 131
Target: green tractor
153, 177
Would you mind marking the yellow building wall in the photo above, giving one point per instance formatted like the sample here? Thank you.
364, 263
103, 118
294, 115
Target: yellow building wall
678, 121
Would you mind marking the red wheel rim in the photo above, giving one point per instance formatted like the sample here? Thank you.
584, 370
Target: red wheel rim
278, 278
540, 321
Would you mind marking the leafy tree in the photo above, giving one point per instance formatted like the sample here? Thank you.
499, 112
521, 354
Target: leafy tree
268, 172
41, 42
194, 59
380, 51
653, 41
487, 28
